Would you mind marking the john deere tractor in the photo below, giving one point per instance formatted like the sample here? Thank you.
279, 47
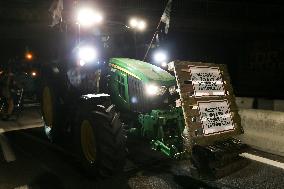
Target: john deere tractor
145, 95
186, 112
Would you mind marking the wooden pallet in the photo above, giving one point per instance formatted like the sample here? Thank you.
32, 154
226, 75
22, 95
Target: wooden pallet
208, 102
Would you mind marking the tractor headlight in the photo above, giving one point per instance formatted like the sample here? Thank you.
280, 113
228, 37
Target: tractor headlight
152, 89
161, 58
86, 54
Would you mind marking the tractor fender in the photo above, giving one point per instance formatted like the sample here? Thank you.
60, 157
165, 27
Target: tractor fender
56, 76
97, 103
50, 74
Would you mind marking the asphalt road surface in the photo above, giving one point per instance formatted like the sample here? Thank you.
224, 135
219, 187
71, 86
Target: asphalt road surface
30, 161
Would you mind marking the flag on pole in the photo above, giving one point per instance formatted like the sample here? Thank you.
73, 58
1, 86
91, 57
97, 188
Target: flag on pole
56, 12
166, 16
157, 40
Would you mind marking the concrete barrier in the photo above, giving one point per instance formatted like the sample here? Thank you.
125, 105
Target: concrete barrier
244, 102
279, 105
260, 103
264, 130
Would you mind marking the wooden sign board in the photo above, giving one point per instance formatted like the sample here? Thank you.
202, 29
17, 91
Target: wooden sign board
208, 102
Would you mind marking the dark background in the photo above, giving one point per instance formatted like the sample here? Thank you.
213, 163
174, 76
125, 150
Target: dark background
245, 35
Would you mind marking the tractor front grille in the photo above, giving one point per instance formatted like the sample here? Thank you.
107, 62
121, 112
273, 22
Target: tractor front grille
139, 101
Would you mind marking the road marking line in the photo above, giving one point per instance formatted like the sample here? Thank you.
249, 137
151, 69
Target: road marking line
31, 105
21, 127
2, 130
7, 151
263, 160
22, 187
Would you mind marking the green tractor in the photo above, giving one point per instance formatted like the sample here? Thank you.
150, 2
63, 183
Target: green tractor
145, 95
188, 112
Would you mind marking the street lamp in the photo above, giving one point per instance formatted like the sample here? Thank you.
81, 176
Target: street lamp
137, 25
88, 17
29, 56
142, 25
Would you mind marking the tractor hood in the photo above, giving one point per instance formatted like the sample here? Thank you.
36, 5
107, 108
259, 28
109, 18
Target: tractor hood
143, 71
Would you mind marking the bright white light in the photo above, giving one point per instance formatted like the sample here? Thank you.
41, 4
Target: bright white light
86, 54
137, 24
82, 62
87, 17
33, 74
160, 57
141, 25
164, 64
152, 89
133, 22
134, 100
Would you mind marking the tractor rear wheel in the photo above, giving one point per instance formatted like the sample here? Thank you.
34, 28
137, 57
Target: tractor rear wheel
100, 141
51, 112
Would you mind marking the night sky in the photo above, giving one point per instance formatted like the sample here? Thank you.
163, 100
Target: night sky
245, 35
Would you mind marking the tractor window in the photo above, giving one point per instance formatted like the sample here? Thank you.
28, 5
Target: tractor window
121, 87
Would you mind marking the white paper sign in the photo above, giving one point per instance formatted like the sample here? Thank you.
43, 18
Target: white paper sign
215, 117
206, 81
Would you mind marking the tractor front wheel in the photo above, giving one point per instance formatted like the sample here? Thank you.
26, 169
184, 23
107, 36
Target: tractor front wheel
100, 141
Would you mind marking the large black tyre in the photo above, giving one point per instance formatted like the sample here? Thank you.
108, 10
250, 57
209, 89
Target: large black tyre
100, 141
51, 112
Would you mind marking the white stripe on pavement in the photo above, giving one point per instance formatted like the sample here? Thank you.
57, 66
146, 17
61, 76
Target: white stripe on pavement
7, 151
263, 160
22, 187
31, 105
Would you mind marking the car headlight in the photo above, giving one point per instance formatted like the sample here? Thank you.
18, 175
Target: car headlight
33, 73
153, 89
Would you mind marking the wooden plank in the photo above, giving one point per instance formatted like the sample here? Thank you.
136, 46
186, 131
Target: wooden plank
205, 87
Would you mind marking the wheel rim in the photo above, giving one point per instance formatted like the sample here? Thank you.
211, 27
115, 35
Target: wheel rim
47, 107
88, 141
